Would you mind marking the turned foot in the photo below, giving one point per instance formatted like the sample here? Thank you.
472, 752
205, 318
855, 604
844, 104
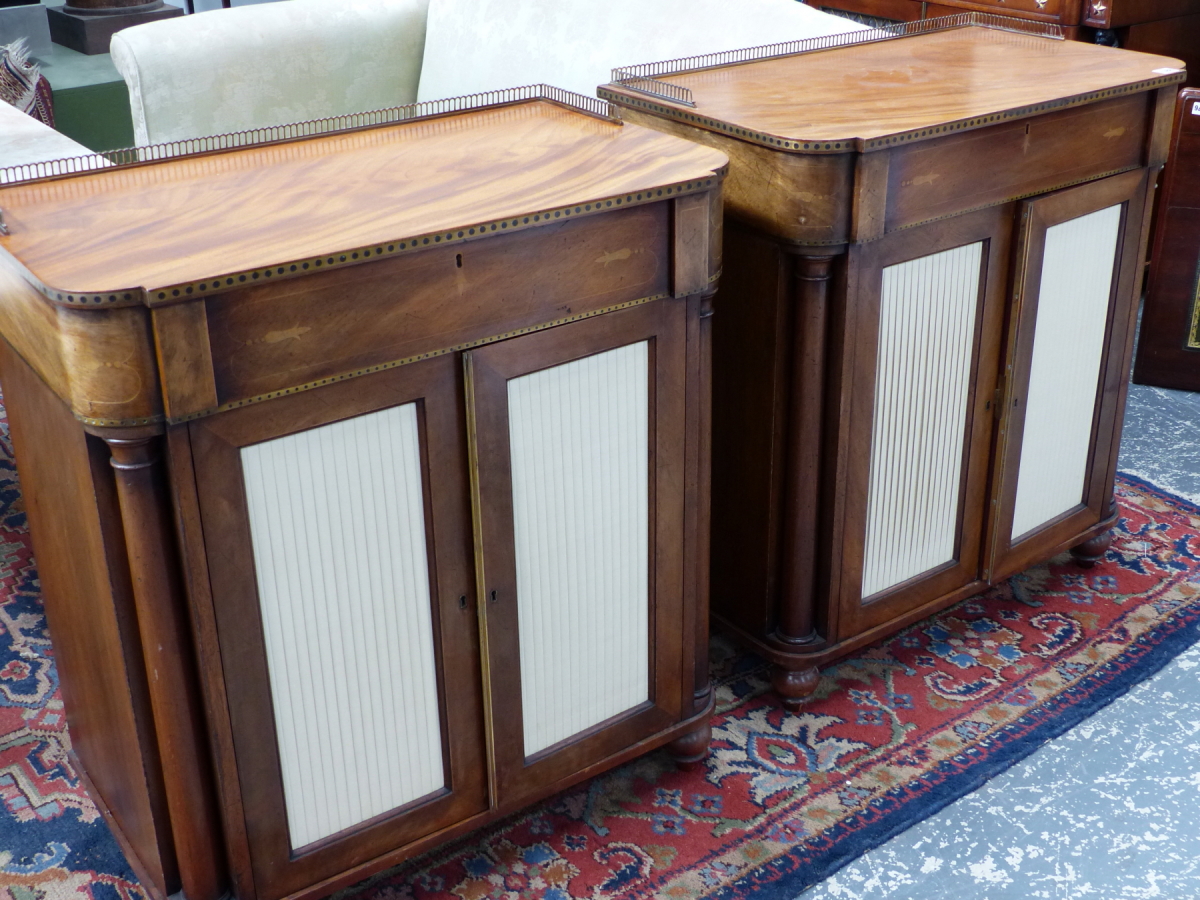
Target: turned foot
689, 750
794, 686
1091, 552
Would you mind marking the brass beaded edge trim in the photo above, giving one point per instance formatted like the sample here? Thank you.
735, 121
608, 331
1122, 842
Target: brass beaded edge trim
186, 290
852, 144
369, 370
178, 292
90, 300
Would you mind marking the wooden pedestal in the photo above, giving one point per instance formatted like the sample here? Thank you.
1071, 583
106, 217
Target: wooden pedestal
90, 31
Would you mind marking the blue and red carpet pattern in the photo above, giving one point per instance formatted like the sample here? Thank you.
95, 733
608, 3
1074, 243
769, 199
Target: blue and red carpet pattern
894, 733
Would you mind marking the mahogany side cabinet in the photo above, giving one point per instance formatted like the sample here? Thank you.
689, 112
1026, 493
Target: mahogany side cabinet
367, 474
1168, 353
925, 319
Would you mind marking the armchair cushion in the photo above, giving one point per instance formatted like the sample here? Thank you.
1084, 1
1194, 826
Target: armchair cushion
270, 64
482, 45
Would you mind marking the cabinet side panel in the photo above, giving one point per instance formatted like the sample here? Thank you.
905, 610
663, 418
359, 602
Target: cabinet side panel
337, 520
926, 342
580, 443
80, 551
1068, 347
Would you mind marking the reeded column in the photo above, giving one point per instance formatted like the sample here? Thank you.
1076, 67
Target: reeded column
169, 657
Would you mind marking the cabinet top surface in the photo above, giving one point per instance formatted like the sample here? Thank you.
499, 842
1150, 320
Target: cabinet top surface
181, 221
893, 90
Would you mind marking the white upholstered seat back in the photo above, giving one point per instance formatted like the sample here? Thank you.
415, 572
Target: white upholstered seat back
252, 66
483, 45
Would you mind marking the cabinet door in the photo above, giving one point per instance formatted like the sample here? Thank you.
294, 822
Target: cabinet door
1077, 267
578, 438
337, 529
926, 307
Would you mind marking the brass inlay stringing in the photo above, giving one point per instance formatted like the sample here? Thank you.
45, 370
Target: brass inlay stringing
776, 142
356, 255
221, 283
480, 575
368, 370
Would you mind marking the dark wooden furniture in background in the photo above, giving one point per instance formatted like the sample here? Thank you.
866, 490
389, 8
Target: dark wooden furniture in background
1165, 27
367, 476
87, 26
925, 319
1168, 353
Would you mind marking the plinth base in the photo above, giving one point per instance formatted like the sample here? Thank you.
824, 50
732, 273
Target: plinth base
91, 34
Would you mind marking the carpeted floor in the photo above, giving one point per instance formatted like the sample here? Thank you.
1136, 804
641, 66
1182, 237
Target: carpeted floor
1106, 811
895, 733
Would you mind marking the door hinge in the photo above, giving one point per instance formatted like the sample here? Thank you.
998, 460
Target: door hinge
3, 227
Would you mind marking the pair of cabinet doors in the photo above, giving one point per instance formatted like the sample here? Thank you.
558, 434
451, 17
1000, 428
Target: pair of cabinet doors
988, 356
445, 587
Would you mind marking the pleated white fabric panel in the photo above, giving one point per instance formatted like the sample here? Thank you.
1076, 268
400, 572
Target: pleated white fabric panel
337, 520
579, 435
1068, 344
923, 374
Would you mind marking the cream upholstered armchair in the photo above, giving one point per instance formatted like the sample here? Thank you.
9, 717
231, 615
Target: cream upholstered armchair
252, 66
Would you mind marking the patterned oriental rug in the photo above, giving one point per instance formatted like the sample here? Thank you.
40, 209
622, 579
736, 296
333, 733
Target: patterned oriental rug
895, 733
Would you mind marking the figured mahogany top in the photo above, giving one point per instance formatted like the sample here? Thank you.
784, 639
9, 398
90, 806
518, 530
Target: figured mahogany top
193, 224
892, 91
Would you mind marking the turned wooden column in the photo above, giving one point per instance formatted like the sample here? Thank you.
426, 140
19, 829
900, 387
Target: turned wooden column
170, 667
809, 313
691, 748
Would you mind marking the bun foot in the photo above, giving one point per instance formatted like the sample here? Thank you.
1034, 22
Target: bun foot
794, 686
689, 750
1091, 552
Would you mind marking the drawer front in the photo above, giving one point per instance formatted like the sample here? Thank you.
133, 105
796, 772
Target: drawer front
970, 170
278, 336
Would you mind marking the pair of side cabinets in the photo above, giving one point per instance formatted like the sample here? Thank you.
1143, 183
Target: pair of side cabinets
923, 401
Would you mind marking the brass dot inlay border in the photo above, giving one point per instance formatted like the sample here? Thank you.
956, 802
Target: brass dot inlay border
177, 293
861, 145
